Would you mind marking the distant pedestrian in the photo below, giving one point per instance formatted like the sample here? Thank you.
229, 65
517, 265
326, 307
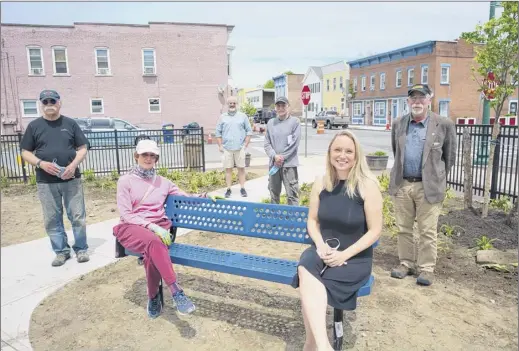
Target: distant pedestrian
281, 146
424, 148
56, 146
233, 133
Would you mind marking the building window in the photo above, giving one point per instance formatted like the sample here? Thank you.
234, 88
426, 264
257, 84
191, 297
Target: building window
35, 60
148, 62
425, 74
327, 85
96, 106
363, 84
355, 85
398, 78
410, 76
102, 61
444, 108
154, 105
30, 108
382, 81
445, 74
357, 109
372, 82
334, 84
341, 85
59, 56
512, 107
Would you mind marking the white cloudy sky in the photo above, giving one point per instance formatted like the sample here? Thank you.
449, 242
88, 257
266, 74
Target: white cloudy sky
274, 37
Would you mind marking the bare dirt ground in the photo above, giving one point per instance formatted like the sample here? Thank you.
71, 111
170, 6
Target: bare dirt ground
467, 308
22, 218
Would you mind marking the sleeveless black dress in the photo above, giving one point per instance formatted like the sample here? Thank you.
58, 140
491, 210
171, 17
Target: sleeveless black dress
341, 217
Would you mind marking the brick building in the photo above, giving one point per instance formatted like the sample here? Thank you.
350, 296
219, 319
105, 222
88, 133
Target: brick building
145, 74
380, 82
290, 85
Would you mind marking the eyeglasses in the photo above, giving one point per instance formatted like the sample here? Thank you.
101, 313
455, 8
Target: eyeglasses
334, 243
49, 101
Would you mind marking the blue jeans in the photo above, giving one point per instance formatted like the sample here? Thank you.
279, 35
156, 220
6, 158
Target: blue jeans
52, 197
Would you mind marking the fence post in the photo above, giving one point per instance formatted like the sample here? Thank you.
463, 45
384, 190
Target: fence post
117, 153
203, 149
24, 171
467, 168
495, 166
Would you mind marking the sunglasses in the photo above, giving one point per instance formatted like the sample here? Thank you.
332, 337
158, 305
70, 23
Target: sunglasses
49, 101
334, 243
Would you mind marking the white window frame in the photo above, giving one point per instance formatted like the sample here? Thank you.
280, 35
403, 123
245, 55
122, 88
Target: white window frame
440, 110
102, 106
363, 84
382, 81
410, 74
448, 75
516, 106
154, 62
372, 81
54, 60
398, 73
379, 107
38, 114
426, 80
149, 105
109, 69
355, 105
29, 60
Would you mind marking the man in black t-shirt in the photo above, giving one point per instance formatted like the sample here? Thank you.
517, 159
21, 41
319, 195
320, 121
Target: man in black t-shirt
55, 145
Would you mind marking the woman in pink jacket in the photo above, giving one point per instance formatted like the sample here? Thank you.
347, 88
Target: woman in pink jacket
144, 226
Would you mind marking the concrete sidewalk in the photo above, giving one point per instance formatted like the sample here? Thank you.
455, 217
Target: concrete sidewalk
27, 276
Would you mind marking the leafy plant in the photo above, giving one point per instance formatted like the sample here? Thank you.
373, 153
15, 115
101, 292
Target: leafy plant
265, 200
248, 109
503, 203
383, 181
485, 243
388, 215
114, 175
89, 175
378, 153
32, 179
450, 231
305, 187
4, 182
163, 172
304, 200
450, 194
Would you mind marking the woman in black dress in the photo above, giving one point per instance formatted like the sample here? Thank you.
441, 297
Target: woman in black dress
345, 213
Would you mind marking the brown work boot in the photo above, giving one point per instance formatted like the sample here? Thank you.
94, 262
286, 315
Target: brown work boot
401, 272
425, 278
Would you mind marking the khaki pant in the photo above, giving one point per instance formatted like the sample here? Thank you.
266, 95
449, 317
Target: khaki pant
410, 204
233, 159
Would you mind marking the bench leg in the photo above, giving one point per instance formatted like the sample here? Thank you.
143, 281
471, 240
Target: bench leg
337, 329
161, 293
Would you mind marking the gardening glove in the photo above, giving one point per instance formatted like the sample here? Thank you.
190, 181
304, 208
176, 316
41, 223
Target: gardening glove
215, 197
162, 233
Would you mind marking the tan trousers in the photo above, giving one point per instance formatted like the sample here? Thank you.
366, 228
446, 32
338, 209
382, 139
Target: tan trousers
410, 204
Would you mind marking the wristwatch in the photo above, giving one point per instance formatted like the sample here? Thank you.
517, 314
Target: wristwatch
38, 164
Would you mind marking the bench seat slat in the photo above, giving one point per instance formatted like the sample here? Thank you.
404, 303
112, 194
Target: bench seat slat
236, 263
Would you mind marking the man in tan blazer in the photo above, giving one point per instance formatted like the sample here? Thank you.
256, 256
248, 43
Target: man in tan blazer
424, 148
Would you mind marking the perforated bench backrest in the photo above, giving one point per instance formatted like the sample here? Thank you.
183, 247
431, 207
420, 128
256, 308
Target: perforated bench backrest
268, 221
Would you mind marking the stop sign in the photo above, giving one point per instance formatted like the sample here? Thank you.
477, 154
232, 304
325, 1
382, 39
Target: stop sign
305, 95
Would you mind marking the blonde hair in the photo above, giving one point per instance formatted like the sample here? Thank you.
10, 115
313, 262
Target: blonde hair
359, 175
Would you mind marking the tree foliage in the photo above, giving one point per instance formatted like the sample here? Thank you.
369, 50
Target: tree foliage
497, 51
248, 109
269, 84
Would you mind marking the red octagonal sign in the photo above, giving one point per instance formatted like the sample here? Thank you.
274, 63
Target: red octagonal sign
305, 95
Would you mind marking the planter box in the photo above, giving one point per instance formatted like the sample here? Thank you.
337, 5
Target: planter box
377, 163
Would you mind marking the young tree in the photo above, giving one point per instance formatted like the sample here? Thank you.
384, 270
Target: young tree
497, 52
269, 84
248, 109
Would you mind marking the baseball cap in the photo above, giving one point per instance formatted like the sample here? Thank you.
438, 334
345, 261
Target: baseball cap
49, 94
147, 146
282, 100
421, 88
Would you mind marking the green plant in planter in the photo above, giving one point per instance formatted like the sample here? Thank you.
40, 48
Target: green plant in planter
378, 153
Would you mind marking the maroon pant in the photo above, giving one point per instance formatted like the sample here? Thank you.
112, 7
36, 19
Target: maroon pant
157, 262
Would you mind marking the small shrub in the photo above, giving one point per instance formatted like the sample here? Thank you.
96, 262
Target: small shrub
305, 187
378, 153
4, 182
450, 194
89, 175
383, 181
485, 243
114, 175
304, 200
503, 203
265, 200
163, 171
388, 215
32, 179
450, 231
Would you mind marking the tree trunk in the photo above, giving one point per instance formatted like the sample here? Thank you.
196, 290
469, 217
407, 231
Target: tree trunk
467, 168
512, 213
488, 172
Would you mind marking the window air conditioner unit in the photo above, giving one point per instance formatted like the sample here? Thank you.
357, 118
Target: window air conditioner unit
37, 71
102, 71
149, 70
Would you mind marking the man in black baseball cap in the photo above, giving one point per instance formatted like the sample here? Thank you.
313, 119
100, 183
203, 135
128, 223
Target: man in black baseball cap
419, 88
55, 145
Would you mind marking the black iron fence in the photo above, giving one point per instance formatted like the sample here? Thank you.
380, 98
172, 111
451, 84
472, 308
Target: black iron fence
504, 167
109, 152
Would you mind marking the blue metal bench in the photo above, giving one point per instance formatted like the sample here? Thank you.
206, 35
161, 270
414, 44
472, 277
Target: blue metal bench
257, 220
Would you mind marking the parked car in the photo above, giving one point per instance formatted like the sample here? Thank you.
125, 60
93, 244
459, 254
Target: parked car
263, 116
100, 131
331, 119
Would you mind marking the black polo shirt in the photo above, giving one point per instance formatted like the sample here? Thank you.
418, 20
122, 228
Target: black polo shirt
53, 140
